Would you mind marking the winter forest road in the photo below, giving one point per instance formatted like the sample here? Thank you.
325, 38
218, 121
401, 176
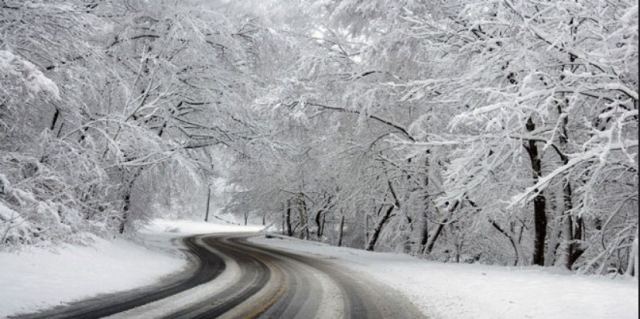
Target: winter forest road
239, 279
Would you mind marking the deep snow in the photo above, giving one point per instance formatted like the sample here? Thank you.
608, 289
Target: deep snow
480, 291
39, 278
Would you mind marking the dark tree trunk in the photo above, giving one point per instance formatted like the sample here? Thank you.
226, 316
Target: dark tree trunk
284, 228
321, 216
341, 231
424, 235
432, 240
539, 202
573, 228
318, 219
304, 220
516, 252
287, 219
424, 231
55, 119
206, 216
434, 237
371, 243
125, 212
378, 228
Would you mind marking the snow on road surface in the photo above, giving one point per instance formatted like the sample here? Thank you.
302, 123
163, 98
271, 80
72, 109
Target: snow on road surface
478, 291
39, 278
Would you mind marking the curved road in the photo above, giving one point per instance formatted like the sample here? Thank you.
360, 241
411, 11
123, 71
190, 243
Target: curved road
235, 278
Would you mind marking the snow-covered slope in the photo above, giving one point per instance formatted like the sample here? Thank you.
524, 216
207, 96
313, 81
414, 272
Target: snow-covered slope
480, 291
38, 278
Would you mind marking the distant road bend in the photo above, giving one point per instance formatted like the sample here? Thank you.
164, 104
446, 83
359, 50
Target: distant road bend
235, 278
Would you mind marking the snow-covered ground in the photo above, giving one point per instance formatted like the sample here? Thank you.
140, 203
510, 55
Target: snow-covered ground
38, 278
480, 291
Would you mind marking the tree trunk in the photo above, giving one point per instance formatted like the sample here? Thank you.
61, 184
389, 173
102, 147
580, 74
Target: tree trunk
632, 265
206, 216
56, 114
304, 220
539, 202
514, 245
371, 243
318, 219
125, 212
424, 234
378, 228
432, 241
424, 217
573, 228
572, 231
287, 219
341, 231
284, 231
126, 199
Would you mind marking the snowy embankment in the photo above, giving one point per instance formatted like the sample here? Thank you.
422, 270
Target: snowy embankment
39, 278
479, 291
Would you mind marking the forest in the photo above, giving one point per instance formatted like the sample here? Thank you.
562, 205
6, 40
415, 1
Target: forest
493, 131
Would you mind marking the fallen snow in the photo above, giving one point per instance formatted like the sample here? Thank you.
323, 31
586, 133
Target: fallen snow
480, 291
40, 278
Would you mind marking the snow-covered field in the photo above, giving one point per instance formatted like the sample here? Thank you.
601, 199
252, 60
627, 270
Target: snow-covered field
479, 291
39, 278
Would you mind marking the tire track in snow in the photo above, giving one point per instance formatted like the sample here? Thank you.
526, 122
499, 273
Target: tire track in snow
239, 279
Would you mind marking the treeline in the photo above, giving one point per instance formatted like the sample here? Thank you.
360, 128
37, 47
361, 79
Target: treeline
108, 110
496, 132
499, 132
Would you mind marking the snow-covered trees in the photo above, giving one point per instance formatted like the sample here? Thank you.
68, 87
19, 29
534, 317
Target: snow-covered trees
494, 131
99, 101
501, 131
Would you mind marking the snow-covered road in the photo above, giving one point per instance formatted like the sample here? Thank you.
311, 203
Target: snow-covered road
279, 277
474, 291
38, 278
239, 279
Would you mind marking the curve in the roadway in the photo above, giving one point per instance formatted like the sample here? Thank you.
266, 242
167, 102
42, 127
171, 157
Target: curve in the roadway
235, 278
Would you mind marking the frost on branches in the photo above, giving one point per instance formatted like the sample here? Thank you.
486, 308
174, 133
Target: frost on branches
501, 132
109, 112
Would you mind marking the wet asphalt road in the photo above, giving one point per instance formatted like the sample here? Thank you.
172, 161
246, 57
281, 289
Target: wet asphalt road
234, 278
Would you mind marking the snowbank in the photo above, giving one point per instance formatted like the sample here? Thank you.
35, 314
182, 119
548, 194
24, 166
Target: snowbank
480, 291
39, 278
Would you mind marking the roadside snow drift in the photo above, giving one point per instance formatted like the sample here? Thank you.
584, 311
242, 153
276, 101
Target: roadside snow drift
479, 291
39, 278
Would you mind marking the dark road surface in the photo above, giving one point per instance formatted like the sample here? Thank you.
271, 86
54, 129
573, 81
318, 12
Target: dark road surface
235, 278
